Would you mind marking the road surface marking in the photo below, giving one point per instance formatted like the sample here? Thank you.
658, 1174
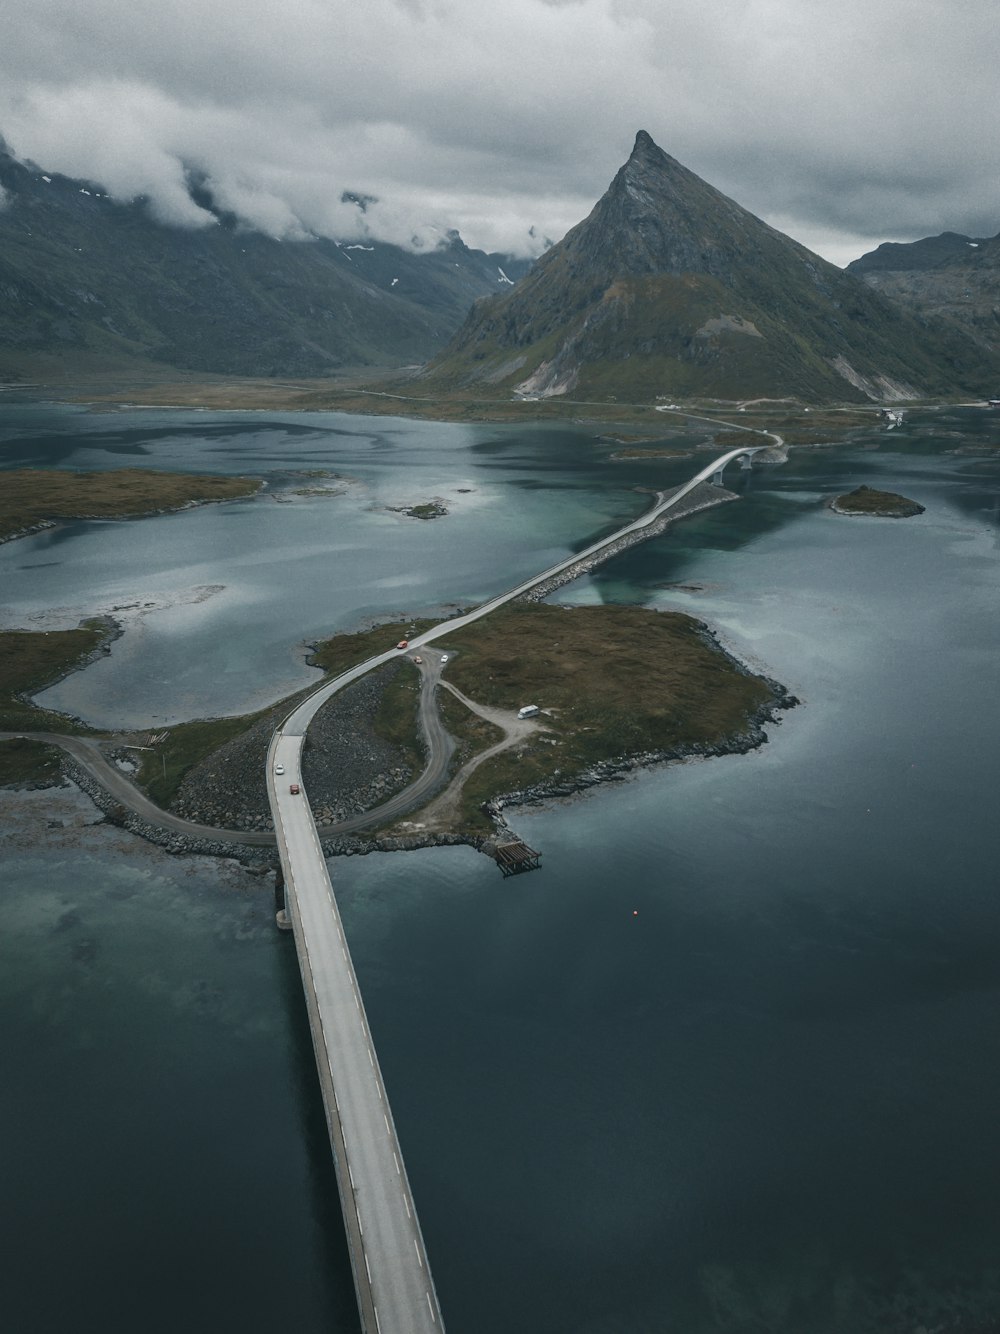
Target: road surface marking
420, 1260
396, 1161
430, 1307
407, 1203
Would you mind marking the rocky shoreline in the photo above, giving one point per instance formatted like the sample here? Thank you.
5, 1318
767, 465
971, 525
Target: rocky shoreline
264, 857
615, 770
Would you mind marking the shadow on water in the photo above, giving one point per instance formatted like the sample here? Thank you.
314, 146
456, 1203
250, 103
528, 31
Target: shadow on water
334, 1266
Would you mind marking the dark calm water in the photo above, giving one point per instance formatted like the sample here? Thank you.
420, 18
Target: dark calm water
766, 1102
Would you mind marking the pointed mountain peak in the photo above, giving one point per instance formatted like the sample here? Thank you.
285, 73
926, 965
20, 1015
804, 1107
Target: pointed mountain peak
646, 152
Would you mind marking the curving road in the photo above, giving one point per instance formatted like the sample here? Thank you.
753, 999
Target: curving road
391, 1271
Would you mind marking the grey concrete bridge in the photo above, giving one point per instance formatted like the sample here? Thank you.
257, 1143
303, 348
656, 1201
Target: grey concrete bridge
391, 1271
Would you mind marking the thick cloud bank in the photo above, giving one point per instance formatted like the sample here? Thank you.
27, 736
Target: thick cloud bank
843, 125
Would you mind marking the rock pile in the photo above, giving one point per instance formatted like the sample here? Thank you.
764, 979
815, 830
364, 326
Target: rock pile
346, 767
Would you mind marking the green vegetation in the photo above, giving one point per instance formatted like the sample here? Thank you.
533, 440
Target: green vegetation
336, 655
887, 504
23, 762
429, 510
30, 660
31, 495
634, 453
613, 681
162, 769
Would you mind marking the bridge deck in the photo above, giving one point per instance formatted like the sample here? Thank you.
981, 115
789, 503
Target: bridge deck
391, 1272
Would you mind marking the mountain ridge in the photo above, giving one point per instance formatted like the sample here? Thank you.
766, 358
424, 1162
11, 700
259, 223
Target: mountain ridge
670, 287
83, 277
950, 278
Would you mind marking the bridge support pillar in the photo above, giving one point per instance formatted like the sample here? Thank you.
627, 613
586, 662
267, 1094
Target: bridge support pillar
717, 478
284, 922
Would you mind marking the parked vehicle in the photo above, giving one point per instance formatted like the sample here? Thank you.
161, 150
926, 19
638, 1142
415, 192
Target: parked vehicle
528, 711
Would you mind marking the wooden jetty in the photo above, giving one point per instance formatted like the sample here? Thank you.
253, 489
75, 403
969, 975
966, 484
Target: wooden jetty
515, 857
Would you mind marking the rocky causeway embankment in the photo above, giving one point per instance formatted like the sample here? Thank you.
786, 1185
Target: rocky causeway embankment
347, 767
703, 497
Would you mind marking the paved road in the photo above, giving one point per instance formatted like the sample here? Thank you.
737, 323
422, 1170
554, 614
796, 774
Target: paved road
391, 1271
87, 753
298, 721
439, 745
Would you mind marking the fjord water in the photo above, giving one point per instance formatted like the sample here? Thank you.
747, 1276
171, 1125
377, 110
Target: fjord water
727, 1063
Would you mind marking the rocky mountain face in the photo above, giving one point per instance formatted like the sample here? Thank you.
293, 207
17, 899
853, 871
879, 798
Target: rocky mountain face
671, 288
950, 277
87, 282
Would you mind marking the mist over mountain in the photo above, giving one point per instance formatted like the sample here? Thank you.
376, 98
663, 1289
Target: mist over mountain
90, 283
670, 287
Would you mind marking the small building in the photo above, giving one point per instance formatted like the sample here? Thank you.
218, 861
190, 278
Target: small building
528, 711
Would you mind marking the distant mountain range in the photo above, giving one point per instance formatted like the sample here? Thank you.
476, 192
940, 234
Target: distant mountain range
949, 277
671, 288
88, 283
668, 288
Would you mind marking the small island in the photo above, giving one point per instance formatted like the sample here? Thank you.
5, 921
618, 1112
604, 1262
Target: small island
882, 504
35, 498
431, 509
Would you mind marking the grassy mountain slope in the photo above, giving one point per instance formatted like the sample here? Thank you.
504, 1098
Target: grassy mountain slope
669, 287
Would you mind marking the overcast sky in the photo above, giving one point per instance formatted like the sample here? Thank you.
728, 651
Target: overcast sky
842, 122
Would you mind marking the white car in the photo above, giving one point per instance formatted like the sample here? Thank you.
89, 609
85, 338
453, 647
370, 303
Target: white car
444, 658
279, 768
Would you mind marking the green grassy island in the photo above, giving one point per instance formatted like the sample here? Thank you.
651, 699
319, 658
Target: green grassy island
616, 686
33, 498
883, 504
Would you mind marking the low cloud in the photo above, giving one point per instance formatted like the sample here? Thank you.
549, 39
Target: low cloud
847, 124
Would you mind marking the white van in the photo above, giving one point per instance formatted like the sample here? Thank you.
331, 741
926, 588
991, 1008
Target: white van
528, 711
